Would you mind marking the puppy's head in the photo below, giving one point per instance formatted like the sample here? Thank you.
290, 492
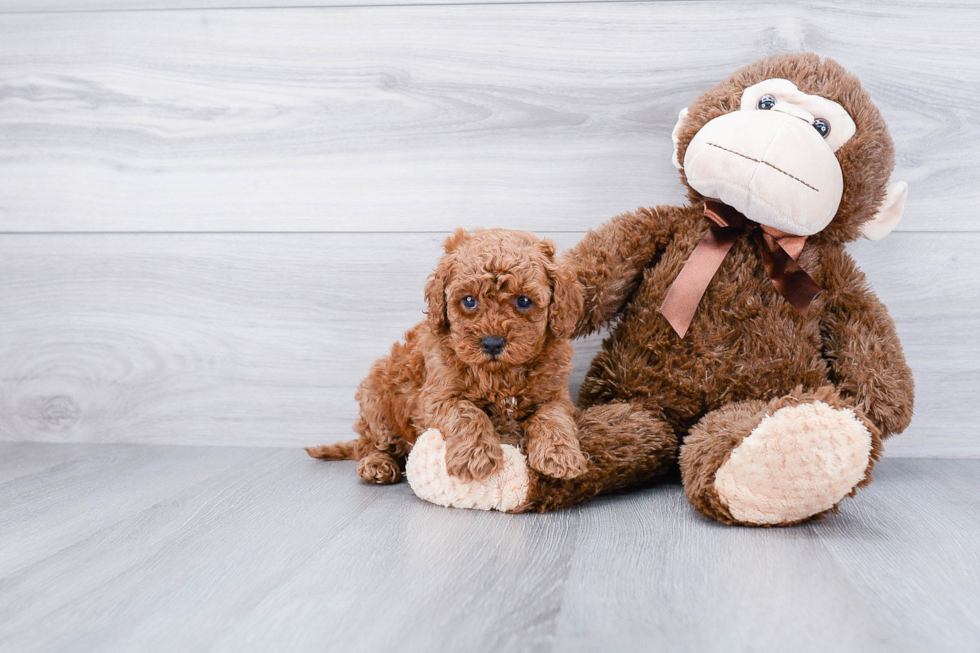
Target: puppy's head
498, 295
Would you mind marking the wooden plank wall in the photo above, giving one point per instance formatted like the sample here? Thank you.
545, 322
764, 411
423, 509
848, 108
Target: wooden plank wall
213, 220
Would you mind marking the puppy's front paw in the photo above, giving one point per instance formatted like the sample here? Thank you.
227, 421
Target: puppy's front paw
557, 459
473, 463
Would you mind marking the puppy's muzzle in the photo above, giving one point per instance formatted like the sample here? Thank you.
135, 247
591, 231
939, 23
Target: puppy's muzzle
492, 345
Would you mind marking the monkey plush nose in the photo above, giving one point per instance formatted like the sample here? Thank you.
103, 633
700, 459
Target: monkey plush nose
492, 345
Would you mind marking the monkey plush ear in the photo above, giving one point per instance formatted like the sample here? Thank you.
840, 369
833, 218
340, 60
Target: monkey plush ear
890, 213
675, 134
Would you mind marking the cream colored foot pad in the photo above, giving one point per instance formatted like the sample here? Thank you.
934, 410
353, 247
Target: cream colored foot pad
798, 462
428, 478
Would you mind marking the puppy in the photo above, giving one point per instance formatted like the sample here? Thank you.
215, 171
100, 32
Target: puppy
488, 365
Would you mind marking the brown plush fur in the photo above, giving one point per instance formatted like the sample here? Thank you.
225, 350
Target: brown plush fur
442, 378
615, 462
748, 350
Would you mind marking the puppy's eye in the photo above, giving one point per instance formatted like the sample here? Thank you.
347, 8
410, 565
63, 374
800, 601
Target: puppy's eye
822, 127
524, 303
767, 102
469, 302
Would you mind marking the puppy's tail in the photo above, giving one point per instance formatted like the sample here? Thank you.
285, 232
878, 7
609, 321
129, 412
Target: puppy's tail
338, 451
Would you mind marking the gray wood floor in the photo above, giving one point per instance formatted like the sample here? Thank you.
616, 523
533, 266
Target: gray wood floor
179, 548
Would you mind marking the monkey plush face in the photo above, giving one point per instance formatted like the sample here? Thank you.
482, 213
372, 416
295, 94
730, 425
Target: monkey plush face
793, 143
774, 158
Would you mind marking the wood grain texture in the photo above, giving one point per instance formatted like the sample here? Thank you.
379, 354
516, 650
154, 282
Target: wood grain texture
261, 339
545, 116
53, 6
275, 551
949, 516
683, 582
73, 6
115, 483
205, 538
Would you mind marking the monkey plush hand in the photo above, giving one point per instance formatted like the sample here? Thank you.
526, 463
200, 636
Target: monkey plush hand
747, 349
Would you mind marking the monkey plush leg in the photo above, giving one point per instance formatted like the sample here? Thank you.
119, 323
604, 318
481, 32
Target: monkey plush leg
781, 462
625, 447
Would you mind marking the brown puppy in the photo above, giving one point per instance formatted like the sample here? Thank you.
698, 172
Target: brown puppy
489, 365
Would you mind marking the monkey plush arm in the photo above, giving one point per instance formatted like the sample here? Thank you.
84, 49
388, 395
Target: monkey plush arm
863, 350
609, 261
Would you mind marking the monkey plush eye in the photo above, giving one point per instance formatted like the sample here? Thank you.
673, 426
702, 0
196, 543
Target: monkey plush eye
822, 127
469, 302
524, 303
767, 102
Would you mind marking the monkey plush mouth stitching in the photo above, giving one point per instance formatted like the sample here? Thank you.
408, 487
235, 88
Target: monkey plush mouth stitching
764, 163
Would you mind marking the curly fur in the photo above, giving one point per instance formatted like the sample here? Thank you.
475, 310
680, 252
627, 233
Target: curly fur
442, 378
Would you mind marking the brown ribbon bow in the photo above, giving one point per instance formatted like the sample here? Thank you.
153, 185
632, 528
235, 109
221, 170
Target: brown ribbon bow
779, 250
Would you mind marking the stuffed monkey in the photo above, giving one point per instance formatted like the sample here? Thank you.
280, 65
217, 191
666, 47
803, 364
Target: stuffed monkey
747, 350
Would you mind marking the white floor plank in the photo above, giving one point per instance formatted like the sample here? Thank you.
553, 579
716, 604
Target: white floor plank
547, 116
275, 550
20, 459
103, 490
915, 515
217, 545
53, 6
682, 582
434, 579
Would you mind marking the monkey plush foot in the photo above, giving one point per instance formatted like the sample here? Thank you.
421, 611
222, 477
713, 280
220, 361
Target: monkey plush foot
798, 462
794, 462
505, 490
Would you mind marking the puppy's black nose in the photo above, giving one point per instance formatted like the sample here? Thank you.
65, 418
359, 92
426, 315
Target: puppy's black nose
492, 345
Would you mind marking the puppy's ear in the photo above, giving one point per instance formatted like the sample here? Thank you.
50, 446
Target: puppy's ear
459, 237
435, 297
566, 296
